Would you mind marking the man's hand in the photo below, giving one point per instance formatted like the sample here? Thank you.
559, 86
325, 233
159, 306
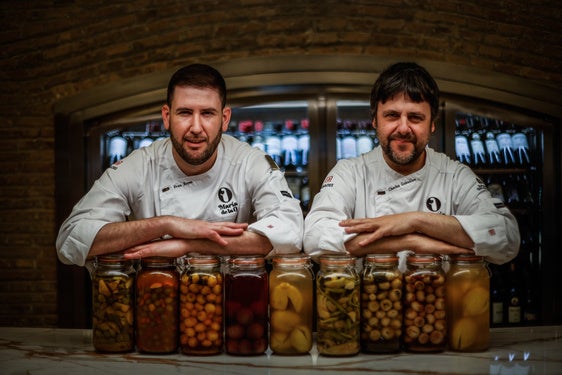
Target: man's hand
199, 229
379, 227
172, 248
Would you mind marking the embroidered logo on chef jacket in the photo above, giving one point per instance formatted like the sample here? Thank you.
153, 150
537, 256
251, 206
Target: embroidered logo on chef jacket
433, 204
227, 206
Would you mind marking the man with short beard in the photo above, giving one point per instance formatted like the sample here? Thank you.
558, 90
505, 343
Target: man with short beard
198, 191
404, 195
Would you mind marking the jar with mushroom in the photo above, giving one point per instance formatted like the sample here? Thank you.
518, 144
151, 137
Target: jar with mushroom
468, 303
425, 315
290, 304
381, 304
201, 301
337, 306
113, 329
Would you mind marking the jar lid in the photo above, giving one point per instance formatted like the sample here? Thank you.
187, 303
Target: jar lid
337, 259
247, 260
465, 258
423, 258
381, 258
200, 259
291, 259
111, 258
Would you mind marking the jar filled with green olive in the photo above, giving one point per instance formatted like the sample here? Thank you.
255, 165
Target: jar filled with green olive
337, 306
113, 304
157, 287
468, 303
201, 306
425, 323
381, 304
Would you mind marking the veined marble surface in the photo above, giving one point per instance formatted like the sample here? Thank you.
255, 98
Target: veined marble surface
522, 350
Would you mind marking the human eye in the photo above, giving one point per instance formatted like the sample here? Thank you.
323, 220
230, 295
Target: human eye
391, 115
416, 117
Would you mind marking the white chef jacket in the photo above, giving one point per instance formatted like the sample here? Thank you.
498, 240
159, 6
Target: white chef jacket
366, 186
243, 186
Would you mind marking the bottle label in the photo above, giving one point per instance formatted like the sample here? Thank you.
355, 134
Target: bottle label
364, 144
461, 148
514, 314
497, 312
349, 147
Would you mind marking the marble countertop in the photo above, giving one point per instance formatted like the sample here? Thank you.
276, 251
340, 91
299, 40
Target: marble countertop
521, 350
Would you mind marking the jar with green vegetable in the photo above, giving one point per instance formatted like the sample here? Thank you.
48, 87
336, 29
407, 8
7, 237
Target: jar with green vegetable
338, 306
113, 304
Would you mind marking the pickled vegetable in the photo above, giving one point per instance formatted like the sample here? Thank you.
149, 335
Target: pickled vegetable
338, 308
113, 315
381, 304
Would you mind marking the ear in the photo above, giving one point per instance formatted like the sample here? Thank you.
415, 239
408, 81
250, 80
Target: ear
374, 123
226, 113
166, 116
432, 127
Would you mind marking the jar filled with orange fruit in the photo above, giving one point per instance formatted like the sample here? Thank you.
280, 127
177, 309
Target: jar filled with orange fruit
468, 303
157, 288
201, 301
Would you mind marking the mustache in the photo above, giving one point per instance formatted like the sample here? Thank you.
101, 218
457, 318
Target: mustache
403, 137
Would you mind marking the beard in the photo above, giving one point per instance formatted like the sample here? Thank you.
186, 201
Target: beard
196, 158
403, 158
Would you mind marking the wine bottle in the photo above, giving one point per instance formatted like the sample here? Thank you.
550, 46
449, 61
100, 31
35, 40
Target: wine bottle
364, 140
289, 145
497, 296
521, 148
349, 142
514, 296
506, 146
476, 143
303, 143
462, 149
273, 141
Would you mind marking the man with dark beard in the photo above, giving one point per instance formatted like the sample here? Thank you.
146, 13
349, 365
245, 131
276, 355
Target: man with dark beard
198, 191
403, 195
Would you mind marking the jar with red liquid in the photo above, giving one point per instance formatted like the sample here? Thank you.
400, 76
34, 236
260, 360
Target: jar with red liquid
425, 315
201, 311
246, 300
157, 301
113, 329
290, 303
381, 304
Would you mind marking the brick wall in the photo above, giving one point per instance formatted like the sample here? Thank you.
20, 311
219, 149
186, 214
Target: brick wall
51, 50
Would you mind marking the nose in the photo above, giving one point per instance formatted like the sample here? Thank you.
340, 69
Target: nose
196, 124
403, 125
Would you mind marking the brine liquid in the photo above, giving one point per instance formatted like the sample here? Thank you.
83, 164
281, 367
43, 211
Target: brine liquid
468, 308
246, 304
157, 312
291, 309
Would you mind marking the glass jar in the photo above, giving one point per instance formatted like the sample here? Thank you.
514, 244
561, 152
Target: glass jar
468, 303
246, 305
425, 323
201, 311
113, 329
157, 301
337, 306
290, 296
381, 304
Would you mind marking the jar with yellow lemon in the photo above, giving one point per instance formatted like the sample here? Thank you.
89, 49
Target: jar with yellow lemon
290, 304
468, 304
